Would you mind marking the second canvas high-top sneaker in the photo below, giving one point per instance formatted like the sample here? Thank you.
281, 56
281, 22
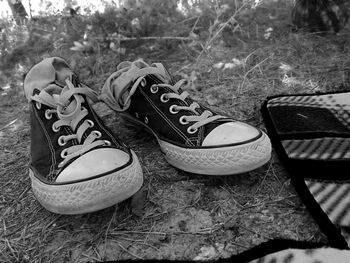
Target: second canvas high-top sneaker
192, 137
77, 165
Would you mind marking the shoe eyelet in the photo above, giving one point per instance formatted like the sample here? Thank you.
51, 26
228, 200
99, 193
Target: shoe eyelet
61, 141
173, 110
107, 143
48, 115
38, 105
190, 130
55, 129
91, 123
146, 120
163, 98
137, 115
98, 134
183, 120
154, 89
143, 82
64, 153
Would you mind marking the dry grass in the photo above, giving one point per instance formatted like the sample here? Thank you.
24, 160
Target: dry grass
183, 212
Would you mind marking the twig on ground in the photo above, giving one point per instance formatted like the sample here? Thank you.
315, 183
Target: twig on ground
240, 87
91, 257
154, 38
8, 125
127, 251
239, 245
195, 24
97, 253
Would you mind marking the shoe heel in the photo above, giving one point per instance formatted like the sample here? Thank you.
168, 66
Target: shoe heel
131, 123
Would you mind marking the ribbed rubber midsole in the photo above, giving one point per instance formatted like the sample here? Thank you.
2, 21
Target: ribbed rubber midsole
219, 161
91, 195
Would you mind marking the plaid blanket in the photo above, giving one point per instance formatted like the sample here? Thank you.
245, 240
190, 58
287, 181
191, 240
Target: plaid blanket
311, 135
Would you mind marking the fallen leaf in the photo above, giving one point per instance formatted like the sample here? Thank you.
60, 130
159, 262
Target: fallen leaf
121, 51
207, 253
78, 44
75, 48
6, 87
193, 36
229, 66
285, 68
218, 65
268, 33
238, 62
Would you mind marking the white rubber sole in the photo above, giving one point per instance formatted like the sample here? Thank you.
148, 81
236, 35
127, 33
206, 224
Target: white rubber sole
214, 161
91, 195
219, 161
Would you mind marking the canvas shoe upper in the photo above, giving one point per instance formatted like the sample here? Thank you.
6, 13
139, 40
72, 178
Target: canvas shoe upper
77, 165
191, 136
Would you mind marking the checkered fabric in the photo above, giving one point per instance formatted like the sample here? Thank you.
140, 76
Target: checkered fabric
334, 199
311, 135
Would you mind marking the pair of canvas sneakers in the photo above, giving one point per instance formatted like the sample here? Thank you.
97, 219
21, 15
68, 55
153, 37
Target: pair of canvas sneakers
79, 166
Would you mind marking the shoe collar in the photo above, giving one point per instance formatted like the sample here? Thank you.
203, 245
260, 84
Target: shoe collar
48, 71
118, 93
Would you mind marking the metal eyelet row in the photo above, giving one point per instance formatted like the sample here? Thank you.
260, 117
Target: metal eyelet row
64, 153
172, 109
184, 121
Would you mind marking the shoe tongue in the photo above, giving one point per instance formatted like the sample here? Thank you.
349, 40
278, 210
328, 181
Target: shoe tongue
48, 71
135, 70
70, 107
55, 92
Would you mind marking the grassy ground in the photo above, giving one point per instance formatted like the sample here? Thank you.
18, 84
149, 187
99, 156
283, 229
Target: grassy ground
185, 215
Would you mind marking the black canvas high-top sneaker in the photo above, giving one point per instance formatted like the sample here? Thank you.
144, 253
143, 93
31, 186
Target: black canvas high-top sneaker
77, 165
192, 137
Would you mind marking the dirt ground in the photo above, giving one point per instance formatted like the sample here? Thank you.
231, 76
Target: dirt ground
184, 216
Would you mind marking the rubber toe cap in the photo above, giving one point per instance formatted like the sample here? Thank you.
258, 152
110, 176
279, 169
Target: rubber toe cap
230, 133
93, 163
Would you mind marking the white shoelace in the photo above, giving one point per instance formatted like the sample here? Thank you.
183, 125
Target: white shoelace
122, 84
70, 113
